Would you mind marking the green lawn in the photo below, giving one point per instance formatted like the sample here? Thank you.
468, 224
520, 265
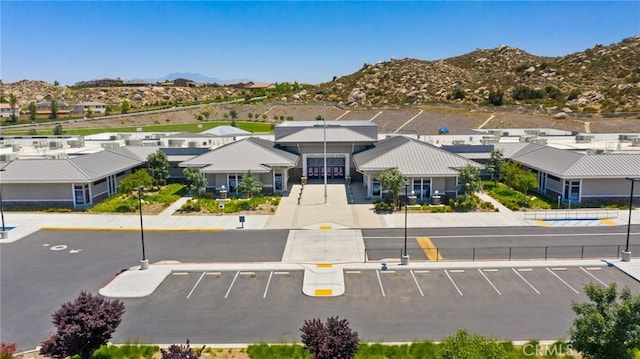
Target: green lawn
252, 127
128, 202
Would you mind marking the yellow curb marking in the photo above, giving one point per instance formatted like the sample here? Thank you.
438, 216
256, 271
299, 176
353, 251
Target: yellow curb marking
608, 222
131, 229
323, 292
543, 223
324, 265
325, 228
429, 249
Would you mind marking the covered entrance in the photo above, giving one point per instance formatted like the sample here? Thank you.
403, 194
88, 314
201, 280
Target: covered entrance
335, 167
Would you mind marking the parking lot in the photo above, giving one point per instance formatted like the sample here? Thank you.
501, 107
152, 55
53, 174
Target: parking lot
398, 305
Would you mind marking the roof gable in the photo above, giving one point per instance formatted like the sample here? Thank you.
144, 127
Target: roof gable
412, 157
252, 153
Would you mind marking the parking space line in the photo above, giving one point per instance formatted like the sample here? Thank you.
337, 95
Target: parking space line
380, 282
488, 280
267, 287
231, 285
593, 276
562, 280
388, 272
195, 285
452, 282
180, 273
281, 273
559, 269
594, 268
490, 270
416, 281
523, 278
456, 270
215, 274
353, 272
421, 271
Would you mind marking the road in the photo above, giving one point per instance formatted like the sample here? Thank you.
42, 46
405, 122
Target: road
48, 268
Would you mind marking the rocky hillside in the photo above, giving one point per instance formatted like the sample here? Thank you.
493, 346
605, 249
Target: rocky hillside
602, 79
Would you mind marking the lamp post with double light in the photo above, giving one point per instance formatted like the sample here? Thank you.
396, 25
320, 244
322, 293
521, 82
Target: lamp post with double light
144, 263
626, 254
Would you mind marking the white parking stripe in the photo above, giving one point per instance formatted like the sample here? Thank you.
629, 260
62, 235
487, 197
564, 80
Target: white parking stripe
267, 287
353, 272
562, 280
594, 268
456, 270
418, 285
195, 285
380, 282
593, 276
488, 280
231, 285
180, 273
452, 282
526, 281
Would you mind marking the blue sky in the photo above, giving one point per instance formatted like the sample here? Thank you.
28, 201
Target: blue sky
284, 41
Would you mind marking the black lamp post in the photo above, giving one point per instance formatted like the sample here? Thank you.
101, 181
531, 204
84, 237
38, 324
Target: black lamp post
626, 254
144, 263
405, 257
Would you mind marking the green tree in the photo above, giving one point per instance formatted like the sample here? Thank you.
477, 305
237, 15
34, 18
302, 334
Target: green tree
526, 93
391, 180
125, 106
54, 110
469, 180
196, 181
33, 111
233, 114
457, 94
319, 118
495, 98
139, 178
494, 166
58, 130
13, 100
250, 185
158, 165
516, 177
56, 83
609, 325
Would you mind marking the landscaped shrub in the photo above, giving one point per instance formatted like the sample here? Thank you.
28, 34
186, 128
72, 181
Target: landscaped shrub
83, 325
265, 351
127, 351
181, 352
7, 350
333, 339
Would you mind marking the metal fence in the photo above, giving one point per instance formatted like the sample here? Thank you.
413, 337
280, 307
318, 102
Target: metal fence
572, 214
503, 253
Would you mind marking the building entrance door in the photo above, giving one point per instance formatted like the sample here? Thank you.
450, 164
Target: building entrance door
335, 167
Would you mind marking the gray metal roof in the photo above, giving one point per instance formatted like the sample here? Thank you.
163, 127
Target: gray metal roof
226, 131
87, 168
547, 159
412, 157
569, 164
251, 153
357, 123
189, 135
334, 134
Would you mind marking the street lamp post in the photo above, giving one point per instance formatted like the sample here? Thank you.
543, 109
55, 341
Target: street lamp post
626, 254
144, 263
405, 257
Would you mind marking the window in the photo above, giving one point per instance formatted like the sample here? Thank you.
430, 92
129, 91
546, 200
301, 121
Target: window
278, 181
572, 190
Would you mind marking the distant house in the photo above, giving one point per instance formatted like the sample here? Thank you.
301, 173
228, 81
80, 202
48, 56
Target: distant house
44, 108
5, 110
137, 83
84, 107
104, 82
182, 82
260, 86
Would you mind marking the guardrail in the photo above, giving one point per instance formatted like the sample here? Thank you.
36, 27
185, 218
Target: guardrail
572, 214
504, 253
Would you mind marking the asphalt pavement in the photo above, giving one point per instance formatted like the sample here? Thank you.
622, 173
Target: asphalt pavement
325, 242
